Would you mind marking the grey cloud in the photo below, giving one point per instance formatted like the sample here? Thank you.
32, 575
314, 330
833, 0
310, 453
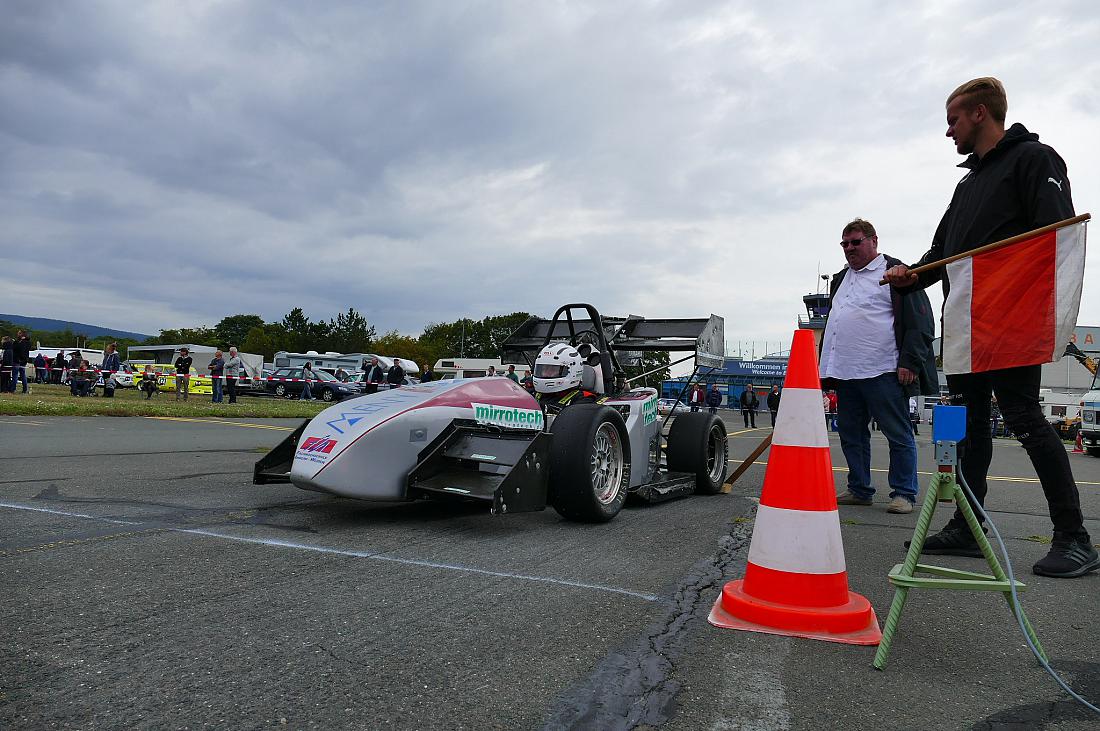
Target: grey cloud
424, 161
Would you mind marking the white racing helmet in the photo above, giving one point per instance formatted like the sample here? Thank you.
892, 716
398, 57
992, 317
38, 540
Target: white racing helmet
559, 367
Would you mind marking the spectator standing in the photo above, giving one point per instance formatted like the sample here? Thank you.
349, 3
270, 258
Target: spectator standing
232, 369
41, 369
714, 398
183, 373
341, 375
528, 381
111, 365
491, 372
994, 415
217, 372
428, 375
307, 378
372, 376
876, 352
57, 372
511, 375
833, 406
395, 376
749, 404
773, 403
697, 397
914, 415
7, 364
21, 352
1014, 184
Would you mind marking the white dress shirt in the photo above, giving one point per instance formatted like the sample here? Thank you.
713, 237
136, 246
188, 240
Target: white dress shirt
859, 337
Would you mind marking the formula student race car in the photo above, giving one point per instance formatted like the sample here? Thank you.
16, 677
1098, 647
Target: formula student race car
582, 451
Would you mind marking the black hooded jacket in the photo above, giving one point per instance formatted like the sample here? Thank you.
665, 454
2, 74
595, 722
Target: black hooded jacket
1020, 185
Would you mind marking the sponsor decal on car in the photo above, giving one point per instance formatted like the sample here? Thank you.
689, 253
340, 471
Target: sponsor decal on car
318, 444
315, 449
510, 416
649, 411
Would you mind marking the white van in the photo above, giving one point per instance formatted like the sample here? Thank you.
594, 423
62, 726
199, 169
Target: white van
471, 367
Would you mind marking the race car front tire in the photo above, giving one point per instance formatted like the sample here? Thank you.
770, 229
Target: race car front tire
589, 463
697, 443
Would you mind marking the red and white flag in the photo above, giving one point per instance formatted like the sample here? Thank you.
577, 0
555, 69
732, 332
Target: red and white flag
1014, 306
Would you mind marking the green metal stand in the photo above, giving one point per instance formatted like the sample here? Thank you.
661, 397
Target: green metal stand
943, 488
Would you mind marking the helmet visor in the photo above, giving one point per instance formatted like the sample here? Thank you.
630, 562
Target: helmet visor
549, 370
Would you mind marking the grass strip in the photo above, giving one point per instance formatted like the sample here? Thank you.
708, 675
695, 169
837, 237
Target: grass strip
50, 400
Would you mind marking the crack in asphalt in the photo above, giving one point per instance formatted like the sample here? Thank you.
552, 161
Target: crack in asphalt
1050, 714
635, 686
331, 653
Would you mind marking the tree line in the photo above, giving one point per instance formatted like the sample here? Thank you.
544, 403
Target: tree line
348, 332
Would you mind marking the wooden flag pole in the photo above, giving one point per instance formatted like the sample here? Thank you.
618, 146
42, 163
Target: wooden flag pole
999, 244
747, 463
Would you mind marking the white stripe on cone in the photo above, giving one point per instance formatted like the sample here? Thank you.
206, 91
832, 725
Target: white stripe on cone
797, 541
801, 419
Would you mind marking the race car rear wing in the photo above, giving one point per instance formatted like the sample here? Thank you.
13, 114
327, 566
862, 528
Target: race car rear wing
628, 336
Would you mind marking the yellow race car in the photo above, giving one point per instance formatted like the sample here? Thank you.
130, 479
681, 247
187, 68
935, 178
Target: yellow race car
166, 379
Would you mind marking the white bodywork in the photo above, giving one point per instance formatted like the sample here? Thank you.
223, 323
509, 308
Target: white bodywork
365, 447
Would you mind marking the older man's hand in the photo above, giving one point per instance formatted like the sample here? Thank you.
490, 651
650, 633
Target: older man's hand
906, 376
900, 276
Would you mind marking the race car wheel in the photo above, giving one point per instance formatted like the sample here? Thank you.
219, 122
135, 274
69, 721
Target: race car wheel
280, 390
697, 444
327, 395
589, 463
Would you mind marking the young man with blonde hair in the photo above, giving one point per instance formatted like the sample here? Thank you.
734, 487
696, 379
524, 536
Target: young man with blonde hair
1013, 184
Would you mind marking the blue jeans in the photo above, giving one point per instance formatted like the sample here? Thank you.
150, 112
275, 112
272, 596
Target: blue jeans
19, 372
883, 398
306, 393
217, 386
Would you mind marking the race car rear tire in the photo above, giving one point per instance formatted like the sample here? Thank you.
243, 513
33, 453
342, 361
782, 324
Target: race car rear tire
697, 443
589, 463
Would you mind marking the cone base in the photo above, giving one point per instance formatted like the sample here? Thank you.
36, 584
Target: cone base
854, 623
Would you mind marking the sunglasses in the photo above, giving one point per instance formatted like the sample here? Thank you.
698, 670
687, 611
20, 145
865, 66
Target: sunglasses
854, 242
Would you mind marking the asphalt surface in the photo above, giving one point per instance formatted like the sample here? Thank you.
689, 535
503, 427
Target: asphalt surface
148, 584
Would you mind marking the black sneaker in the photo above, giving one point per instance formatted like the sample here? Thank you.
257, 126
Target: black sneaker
951, 542
1069, 557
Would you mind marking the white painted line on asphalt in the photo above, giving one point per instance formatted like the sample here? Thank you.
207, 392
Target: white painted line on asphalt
66, 514
354, 554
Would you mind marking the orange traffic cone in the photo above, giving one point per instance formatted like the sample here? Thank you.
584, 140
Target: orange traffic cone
796, 582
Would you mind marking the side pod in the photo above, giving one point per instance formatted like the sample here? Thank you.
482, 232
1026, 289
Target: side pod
275, 465
508, 469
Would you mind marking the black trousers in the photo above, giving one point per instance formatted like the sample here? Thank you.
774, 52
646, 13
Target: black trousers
231, 389
750, 416
1017, 391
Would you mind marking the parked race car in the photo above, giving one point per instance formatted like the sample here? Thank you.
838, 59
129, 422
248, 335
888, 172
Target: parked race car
582, 449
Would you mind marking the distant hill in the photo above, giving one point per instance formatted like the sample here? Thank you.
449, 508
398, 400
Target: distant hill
92, 331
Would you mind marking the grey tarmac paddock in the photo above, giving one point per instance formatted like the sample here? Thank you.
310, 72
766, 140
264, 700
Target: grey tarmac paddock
148, 584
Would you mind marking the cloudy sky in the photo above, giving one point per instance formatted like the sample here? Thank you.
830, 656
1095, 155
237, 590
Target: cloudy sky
164, 164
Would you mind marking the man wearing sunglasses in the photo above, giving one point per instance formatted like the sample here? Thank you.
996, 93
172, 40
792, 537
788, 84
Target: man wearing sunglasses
876, 352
